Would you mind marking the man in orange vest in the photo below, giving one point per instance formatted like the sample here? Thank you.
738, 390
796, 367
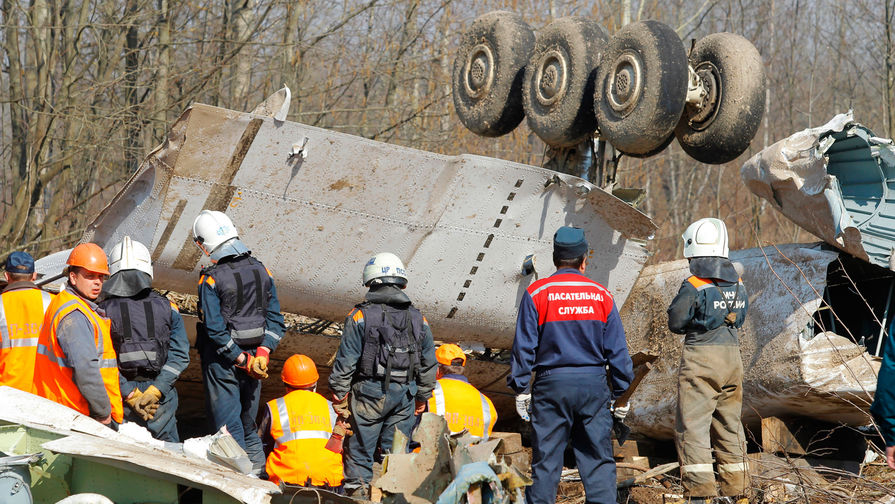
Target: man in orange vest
295, 429
454, 398
22, 307
76, 364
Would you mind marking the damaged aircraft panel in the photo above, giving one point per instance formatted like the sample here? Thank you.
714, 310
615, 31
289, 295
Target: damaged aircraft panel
835, 181
314, 204
801, 357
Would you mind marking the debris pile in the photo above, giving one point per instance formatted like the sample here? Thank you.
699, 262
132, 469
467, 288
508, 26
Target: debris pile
451, 469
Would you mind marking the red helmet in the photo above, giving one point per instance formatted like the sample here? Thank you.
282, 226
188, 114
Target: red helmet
90, 257
299, 371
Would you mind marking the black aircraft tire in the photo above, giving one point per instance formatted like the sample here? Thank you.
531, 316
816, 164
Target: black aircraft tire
730, 68
665, 143
559, 81
641, 87
488, 72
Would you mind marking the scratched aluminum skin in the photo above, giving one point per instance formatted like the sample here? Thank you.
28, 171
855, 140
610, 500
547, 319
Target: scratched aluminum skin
462, 224
786, 371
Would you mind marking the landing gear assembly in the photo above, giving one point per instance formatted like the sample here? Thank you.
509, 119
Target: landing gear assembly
631, 93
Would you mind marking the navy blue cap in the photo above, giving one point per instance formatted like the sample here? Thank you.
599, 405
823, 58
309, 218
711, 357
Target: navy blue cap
20, 262
569, 243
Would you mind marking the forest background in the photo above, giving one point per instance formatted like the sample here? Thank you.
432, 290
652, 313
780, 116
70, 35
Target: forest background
88, 88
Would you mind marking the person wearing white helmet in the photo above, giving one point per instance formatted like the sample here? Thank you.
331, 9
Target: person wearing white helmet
149, 339
384, 370
239, 325
709, 309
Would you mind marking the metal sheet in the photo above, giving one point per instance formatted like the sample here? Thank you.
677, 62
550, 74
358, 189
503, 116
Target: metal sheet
835, 181
462, 224
787, 369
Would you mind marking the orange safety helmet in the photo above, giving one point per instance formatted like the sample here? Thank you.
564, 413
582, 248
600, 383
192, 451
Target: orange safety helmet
90, 257
299, 371
448, 352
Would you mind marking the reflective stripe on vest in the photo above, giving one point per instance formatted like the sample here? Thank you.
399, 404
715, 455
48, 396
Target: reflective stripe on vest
288, 435
441, 408
22, 312
53, 376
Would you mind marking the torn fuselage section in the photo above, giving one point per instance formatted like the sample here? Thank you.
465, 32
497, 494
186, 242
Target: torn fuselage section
835, 181
796, 361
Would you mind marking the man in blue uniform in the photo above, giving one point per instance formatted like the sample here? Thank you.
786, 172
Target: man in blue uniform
240, 324
149, 338
883, 407
709, 309
386, 360
569, 333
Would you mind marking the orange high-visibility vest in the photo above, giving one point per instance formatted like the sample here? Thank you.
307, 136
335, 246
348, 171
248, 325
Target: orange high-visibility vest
52, 373
301, 423
21, 316
463, 407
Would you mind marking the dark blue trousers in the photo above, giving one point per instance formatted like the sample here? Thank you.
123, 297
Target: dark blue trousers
374, 416
232, 398
568, 404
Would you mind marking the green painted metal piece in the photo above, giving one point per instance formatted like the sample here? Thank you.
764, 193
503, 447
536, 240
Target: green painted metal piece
120, 485
50, 480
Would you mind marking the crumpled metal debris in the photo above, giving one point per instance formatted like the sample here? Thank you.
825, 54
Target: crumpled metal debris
447, 467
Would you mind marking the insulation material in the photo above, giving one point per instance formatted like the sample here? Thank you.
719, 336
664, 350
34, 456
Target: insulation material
788, 370
835, 181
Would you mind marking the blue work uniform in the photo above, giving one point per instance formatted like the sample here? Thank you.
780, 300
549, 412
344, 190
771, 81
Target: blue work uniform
238, 312
883, 407
376, 408
569, 332
152, 349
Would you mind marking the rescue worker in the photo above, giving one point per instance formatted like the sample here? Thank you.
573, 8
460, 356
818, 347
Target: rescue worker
239, 325
569, 333
883, 407
22, 308
454, 398
149, 338
709, 309
295, 429
386, 360
76, 364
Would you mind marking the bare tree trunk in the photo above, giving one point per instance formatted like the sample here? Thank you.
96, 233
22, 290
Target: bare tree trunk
890, 73
406, 31
240, 71
161, 80
289, 58
131, 68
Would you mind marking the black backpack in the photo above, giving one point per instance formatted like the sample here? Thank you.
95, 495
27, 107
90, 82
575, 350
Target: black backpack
391, 342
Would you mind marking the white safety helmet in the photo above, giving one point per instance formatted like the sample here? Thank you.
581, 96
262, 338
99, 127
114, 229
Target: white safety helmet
130, 255
706, 238
211, 229
384, 268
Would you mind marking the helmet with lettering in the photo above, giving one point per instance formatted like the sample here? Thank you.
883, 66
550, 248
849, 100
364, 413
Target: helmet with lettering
706, 238
212, 229
299, 371
384, 268
130, 255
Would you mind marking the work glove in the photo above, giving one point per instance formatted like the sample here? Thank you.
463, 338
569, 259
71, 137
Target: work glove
246, 364
340, 406
133, 399
620, 412
342, 428
523, 406
258, 368
150, 397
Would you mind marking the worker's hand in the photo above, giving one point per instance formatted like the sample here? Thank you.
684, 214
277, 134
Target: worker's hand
133, 399
342, 428
523, 406
150, 397
420, 407
244, 361
620, 412
105, 421
258, 368
890, 456
340, 406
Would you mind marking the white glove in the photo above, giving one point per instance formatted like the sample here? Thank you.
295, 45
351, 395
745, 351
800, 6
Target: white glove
523, 406
620, 412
